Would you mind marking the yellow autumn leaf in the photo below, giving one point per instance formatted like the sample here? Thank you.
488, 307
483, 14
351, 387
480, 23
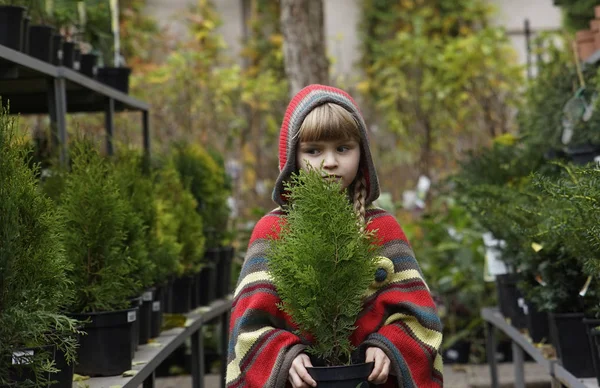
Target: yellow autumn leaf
77, 377
506, 139
536, 247
129, 373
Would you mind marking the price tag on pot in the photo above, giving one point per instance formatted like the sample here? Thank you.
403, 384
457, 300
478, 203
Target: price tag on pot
147, 296
22, 357
156, 306
131, 316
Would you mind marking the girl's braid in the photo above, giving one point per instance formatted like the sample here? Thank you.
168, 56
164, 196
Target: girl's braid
360, 194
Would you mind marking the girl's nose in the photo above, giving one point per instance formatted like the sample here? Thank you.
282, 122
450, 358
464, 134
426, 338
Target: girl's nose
329, 161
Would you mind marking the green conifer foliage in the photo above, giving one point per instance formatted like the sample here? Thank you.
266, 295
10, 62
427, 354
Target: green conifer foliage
205, 178
33, 282
322, 265
95, 215
138, 192
179, 226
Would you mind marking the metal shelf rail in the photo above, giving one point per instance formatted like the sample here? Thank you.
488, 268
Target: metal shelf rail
495, 320
33, 86
148, 357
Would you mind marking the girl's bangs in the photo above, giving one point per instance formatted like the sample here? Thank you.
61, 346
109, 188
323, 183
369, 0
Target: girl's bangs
329, 122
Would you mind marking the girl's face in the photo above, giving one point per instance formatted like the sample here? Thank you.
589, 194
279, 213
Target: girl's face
340, 158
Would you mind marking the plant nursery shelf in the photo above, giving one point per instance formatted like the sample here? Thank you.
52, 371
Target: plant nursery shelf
149, 357
32, 86
495, 320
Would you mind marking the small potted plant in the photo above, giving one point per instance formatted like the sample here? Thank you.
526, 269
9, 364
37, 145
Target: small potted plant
33, 275
12, 16
96, 237
322, 267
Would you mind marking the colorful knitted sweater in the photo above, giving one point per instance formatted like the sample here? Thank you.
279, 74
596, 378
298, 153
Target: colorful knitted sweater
398, 314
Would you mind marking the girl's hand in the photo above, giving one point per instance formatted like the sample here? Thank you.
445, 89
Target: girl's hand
298, 375
381, 369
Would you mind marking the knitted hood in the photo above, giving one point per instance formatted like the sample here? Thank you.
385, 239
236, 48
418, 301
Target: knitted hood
305, 101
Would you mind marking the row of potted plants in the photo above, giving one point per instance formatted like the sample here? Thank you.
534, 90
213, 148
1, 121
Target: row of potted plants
53, 32
536, 193
124, 242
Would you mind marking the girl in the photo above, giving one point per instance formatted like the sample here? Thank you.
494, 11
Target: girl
398, 328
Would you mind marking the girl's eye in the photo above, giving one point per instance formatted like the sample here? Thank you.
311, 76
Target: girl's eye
343, 148
311, 151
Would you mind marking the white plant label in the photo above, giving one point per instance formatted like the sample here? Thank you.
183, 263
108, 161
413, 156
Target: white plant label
131, 316
147, 296
493, 257
22, 357
156, 306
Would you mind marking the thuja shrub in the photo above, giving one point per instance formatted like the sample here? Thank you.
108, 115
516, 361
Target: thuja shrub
95, 216
322, 264
179, 226
33, 282
205, 178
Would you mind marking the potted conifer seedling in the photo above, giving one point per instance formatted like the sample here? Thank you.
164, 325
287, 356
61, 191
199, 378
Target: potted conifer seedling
96, 243
322, 264
34, 286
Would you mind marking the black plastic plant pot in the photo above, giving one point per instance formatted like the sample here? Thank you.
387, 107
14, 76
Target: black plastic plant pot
41, 44
537, 324
76, 59
156, 320
68, 54
11, 26
106, 348
57, 45
167, 297
115, 77
458, 353
208, 278
347, 376
136, 304
508, 300
145, 316
224, 272
569, 338
590, 325
88, 65
20, 370
595, 334
583, 154
195, 297
25, 34
182, 295
64, 376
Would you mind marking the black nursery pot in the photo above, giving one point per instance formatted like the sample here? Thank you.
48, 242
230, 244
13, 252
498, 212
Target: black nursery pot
145, 316
136, 304
156, 320
88, 65
224, 272
41, 42
68, 55
115, 77
508, 299
64, 376
11, 26
106, 348
182, 295
590, 324
537, 324
458, 353
583, 154
57, 45
569, 338
347, 376
208, 276
19, 369
25, 35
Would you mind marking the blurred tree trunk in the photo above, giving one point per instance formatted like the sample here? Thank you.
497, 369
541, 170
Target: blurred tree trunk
302, 24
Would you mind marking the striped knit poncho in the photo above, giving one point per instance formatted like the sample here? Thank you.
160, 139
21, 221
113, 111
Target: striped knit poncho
398, 313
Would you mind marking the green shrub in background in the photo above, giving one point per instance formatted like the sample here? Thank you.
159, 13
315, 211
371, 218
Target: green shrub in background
34, 286
95, 215
449, 245
577, 13
179, 225
206, 179
137, 191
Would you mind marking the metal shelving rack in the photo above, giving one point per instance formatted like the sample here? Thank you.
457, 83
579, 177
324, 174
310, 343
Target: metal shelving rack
495, 320
32, 86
